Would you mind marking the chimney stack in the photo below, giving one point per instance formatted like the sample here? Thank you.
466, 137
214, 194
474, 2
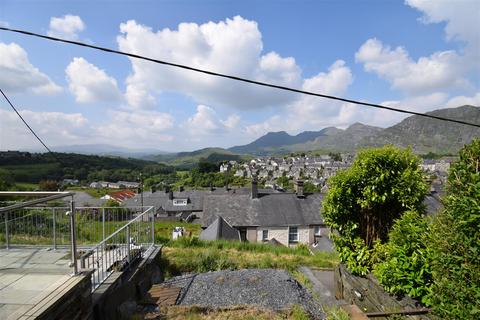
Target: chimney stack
299, 188
170, 194
254, 188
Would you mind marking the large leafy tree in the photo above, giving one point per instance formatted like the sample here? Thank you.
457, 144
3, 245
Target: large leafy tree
455, 241
364, 200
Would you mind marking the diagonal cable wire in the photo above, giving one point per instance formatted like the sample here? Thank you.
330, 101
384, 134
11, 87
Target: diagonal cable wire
28, 126
264, 84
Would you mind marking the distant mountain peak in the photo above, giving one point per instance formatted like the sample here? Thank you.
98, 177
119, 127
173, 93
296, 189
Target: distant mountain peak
423, 134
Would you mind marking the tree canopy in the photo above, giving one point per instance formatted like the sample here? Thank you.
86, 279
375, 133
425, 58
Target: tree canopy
364, 200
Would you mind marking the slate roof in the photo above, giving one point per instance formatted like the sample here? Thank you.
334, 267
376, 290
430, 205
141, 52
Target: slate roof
433, 203
269, 210
220, 229
195, 198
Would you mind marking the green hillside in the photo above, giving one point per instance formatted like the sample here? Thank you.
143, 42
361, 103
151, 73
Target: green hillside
188, 160
33, 167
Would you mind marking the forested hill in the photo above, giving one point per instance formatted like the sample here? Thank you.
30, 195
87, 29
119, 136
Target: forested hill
188, 160
33, 167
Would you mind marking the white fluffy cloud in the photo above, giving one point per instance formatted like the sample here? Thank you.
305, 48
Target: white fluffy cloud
464, 100
120, 128
441, 70
309, 112
90, 84
206, 122
233, 46
18, 75
66, 27
461, 17
139, 128
53, 127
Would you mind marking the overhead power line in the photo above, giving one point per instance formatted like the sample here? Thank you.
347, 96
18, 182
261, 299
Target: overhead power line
264, 84
28, 126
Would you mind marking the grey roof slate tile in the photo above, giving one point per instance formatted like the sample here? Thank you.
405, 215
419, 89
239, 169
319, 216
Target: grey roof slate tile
271, 209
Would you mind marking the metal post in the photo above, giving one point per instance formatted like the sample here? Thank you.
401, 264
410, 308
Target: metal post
54, 229
73, 237
103, 224
7, 240
128, 244
153, 225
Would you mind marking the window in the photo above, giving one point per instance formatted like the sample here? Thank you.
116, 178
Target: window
264, 235
317, 231
180, 202
293, 234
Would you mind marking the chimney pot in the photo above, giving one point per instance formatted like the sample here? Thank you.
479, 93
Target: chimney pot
299, 188
254, 188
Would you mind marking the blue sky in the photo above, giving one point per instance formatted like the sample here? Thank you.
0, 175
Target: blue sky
418, 55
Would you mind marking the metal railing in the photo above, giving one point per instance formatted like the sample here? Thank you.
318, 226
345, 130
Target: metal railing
121, 248
44, 197
107, 239
50, 226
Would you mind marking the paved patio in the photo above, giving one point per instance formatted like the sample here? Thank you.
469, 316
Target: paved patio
29, 278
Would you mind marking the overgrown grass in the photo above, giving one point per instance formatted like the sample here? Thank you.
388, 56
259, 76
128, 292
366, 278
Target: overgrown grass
193, 255
302, 279
336, 313
163, 231
194, 242
232, 313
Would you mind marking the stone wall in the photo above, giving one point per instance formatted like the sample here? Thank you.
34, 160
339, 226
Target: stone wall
74, 304
116, 297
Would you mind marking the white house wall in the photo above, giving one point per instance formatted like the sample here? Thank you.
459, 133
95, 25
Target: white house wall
305, 234
279, 233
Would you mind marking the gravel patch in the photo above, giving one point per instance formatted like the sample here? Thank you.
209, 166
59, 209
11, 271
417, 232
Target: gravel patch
268, 288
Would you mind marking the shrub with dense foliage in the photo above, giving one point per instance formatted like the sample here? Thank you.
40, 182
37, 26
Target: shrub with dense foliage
455, 241
364, 200
404, 266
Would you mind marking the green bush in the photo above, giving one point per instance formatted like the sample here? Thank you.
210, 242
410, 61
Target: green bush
404, 267
455, 241
365, 199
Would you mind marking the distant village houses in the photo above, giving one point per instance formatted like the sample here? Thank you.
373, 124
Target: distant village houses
114, 185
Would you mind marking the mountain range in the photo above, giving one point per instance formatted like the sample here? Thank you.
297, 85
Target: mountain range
422, 134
